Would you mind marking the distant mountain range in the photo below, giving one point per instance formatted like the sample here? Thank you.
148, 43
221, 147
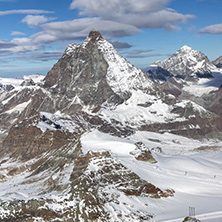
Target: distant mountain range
184, 63
95, 139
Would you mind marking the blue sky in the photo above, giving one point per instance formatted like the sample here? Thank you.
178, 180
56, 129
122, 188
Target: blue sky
35, 33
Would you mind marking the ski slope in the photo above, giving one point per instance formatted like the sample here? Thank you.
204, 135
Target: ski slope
194, 175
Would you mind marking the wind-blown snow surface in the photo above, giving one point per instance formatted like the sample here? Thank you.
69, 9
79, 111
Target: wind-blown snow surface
204, 85
139, 109
194, 175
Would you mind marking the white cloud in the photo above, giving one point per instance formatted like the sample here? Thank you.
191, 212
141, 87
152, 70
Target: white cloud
6, 44
41, 56
116, 18
73, 30
212, 29
143, 54
78, 29
166, 19
34, 20
17, 33
116, 8
140, 13
19, 45
24, 11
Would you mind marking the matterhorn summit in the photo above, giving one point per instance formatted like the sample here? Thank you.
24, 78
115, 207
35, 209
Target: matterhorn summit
95, 73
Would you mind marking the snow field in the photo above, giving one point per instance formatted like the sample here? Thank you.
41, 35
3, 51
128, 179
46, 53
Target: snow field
196, 177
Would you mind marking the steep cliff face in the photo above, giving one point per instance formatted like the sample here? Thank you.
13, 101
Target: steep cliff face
94, 73
81, 74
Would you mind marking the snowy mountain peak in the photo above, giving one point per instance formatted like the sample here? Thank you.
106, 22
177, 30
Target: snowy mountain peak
184, 63
94, 36
186, 48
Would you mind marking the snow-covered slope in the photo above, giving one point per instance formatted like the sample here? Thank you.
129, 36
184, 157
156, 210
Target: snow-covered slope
15, 95
190, 167
122, 76
10, 86
140, 109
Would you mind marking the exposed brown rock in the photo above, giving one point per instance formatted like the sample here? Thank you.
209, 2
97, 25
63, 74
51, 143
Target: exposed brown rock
191, 219
143, 153
196, 128
146, 156
26, 141
208, 148
95, 36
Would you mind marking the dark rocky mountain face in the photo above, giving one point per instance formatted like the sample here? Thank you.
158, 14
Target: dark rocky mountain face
6, 87
56, 133
218, 62
81, 72
213, 101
